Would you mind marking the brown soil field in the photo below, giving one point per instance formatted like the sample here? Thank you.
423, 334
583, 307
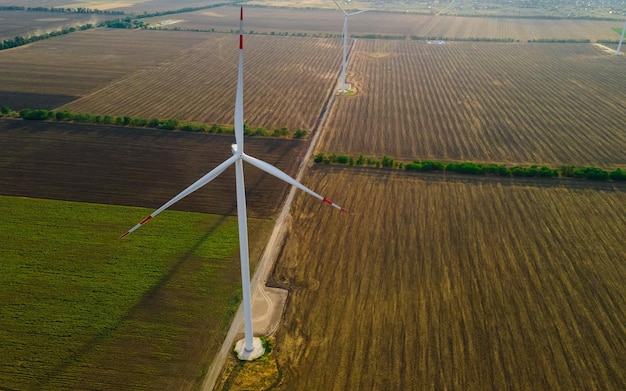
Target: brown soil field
286, 83
439, 283
330, 21
137, 167
82, 62
29, 23
511, 103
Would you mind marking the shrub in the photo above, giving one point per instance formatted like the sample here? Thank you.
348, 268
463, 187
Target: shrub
428, 165
300, 133
387, 161
319, 158
36, 115
618, 175
497, 169
596, 174
342, 159
466, 168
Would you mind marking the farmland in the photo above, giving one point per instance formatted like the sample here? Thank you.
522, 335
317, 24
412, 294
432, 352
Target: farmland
81, 310
72, 68
508, 103
453, 284
23, 23
330, 21
434, 281
136, 167
287, 81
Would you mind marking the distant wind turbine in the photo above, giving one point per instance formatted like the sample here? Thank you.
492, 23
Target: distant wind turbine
617, 53
252, 347
345, 43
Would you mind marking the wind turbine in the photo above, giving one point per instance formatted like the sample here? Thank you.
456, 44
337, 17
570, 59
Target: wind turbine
252, 347
345, 43
617, 53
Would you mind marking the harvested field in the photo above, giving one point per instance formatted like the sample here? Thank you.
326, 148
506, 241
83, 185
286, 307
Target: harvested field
542, 103
441, 283
136, 167
82, 62
330, 21
287, 81
30, 23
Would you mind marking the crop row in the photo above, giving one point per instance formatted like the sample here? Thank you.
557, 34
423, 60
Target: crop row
546, 104
68, 71
286, 82
441, 283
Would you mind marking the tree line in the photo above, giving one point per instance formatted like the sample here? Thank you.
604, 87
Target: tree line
473, 168
19, 40
156, 123
79, 10
470, 39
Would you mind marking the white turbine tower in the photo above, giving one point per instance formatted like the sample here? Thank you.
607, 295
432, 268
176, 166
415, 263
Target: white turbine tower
345, 43
252, 347
617, 53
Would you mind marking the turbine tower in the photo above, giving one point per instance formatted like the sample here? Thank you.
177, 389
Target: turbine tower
345, 43
617, 53
249, 348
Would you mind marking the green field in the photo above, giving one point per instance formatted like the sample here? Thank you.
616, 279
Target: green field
81, 307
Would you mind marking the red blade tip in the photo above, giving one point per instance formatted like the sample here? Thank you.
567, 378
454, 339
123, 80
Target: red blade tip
241, 13
125, 235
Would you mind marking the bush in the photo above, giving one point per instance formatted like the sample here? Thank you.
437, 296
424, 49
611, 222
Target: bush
387, 161
342, 159
428, 165
319, 158
466, 168
36, 115
618, 175
261, 131
281, 132
595, 174
300, 133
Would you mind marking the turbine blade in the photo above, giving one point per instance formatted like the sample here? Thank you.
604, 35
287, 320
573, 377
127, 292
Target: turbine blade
357, 12
239, 96
193, 187
343, 10
281, 175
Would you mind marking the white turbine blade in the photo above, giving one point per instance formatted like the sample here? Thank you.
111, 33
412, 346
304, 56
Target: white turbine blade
343, 10
357, 12
239, 96
195, 186
281, 175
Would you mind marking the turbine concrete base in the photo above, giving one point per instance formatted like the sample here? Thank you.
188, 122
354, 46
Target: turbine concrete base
257, 350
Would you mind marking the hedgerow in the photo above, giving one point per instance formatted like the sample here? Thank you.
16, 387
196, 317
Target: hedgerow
474, 168
167, 124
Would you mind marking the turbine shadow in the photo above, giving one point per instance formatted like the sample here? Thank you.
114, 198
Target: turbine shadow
147, 304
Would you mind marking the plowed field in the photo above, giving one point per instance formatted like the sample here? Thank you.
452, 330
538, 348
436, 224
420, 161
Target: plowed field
330, 21
541, 103
287, 81
136, 167
439, 284
82, 62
